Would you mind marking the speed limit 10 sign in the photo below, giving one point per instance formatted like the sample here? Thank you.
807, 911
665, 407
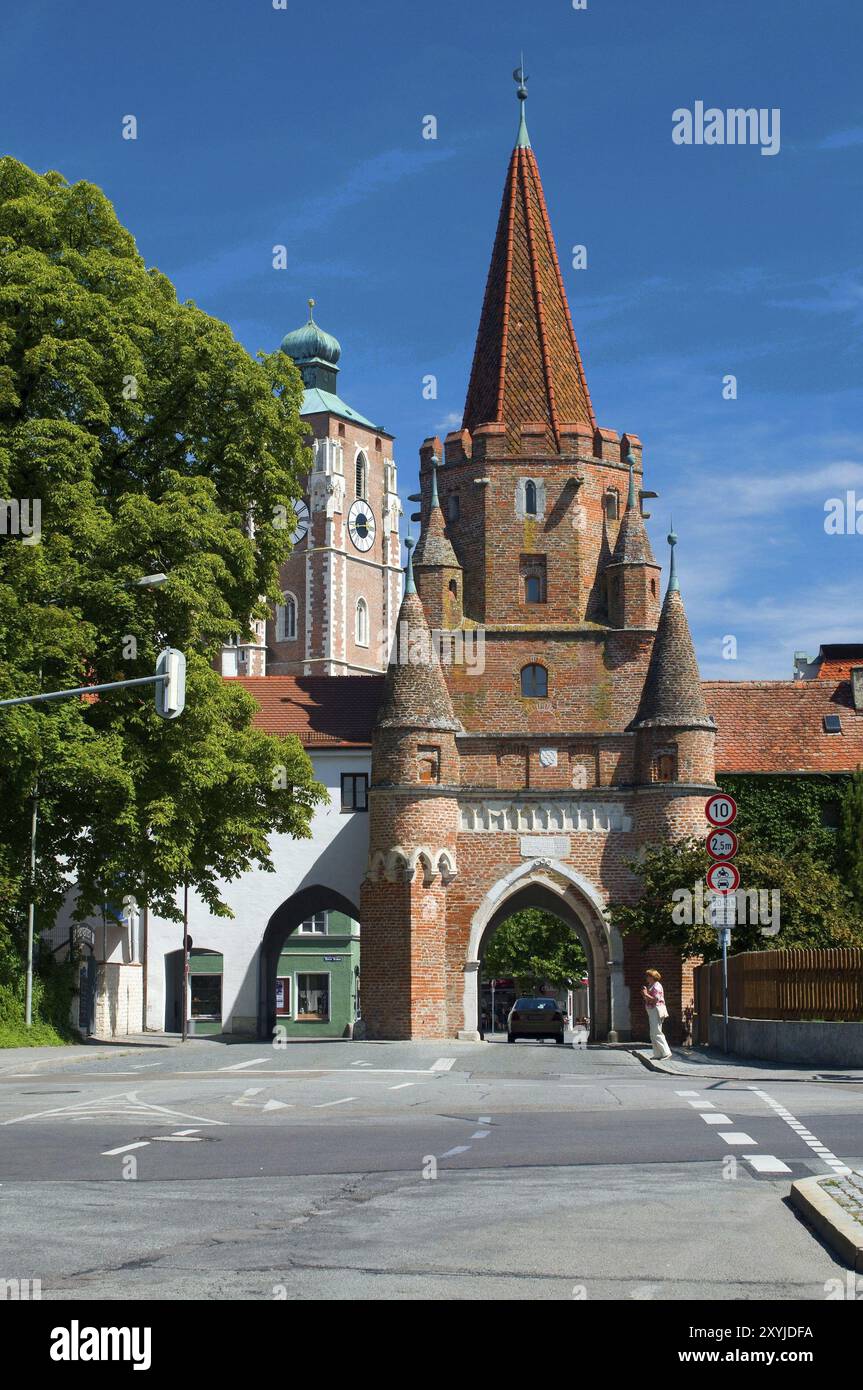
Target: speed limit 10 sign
722, 844
721, 809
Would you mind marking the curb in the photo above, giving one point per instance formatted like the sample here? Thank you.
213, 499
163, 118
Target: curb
840, 1231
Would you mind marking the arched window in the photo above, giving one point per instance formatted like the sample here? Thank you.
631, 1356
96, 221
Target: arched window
530, 498
286, 619
612, 504
361, 481
534, 682
362, 627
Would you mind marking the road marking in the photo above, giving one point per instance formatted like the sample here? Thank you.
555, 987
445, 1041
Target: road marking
241, 1066
481, 1134
766, 1163
483, 1119
278, 1105
244, 1099
125, 1148
702, 1105
186, 1131
687, 1093
325, 1105
716, 1120
146, 1066
814, 1143
175, 1139
443, 1064
401, 1086
124, 1103
736, 1137
459, 1149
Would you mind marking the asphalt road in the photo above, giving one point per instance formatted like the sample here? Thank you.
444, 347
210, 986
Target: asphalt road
409, 1170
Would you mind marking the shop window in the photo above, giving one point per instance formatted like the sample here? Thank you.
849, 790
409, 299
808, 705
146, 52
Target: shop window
313, 998
283, 996
355, 791
206, 991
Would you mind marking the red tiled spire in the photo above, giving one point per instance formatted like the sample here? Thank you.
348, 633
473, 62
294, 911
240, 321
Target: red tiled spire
526, 366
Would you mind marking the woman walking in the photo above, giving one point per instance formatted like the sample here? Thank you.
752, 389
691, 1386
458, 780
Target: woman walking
654, 1001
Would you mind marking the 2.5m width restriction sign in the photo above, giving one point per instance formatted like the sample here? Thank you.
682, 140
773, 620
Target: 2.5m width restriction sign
722, 844
721, 809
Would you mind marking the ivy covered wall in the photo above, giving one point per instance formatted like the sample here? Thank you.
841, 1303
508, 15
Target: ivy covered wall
784, 814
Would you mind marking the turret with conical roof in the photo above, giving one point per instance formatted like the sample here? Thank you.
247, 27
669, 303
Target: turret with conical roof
439, 575
413, 834
632, 574
675, 733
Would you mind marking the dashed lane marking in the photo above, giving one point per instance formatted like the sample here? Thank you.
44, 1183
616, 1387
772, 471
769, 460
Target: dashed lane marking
125, 1148
241, 1066
481, 1134
443, 1064
402, 1085
686, 1093
459, 1149
766, 1163
737, 1137
716, 1120
327, 1103
825, 1154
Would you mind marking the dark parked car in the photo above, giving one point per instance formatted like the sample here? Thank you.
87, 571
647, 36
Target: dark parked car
538, 1017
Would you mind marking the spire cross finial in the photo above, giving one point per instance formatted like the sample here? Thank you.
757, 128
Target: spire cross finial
410, 586
520, 76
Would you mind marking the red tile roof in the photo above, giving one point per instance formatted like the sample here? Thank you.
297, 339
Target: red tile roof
762, 726
320, 710
778, 726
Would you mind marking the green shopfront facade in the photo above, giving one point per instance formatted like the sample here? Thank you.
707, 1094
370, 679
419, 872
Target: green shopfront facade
318, 978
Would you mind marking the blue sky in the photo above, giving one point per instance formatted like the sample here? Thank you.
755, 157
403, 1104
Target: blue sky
303, 126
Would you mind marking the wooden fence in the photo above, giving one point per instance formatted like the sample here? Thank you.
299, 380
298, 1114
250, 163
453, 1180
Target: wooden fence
803, 984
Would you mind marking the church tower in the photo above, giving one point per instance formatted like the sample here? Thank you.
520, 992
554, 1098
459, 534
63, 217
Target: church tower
341, 587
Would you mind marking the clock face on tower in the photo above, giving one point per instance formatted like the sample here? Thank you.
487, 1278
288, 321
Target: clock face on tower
361, 524
301, 512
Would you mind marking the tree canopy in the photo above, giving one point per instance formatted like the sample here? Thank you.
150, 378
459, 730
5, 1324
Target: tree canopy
815, 906
150, 441
533, 946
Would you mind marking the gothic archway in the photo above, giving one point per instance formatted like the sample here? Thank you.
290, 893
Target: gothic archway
562, 891
286, 918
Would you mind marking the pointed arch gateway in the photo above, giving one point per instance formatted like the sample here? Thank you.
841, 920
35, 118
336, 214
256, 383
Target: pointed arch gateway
561, 890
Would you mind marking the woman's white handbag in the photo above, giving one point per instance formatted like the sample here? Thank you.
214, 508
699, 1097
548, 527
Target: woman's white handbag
661, 1011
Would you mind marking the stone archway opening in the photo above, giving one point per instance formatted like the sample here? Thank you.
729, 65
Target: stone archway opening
560, 891
300, 907
492, 1002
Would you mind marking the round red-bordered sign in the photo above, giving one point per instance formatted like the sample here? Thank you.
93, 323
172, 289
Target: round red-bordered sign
721, 809
722, 844
723, 877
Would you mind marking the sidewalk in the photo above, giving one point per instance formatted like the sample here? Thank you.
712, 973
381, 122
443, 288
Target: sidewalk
709, 1064
96, 1048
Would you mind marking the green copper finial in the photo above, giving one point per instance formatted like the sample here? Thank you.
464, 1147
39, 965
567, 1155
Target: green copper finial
673, 581
435, 500
410, 586
520, 76
631, 499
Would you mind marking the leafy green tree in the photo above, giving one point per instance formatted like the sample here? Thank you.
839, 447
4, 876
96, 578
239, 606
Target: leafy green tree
815, 907
151, 442
851, 837
533, 946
